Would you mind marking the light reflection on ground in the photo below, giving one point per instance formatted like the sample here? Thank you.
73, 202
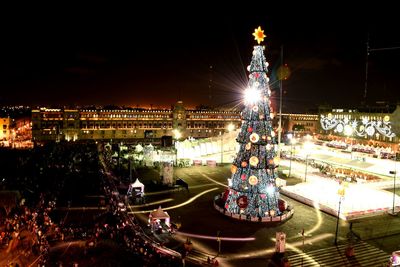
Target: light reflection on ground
190, 200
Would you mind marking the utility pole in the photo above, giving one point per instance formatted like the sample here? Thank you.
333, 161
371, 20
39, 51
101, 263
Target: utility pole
394, 172
219, 242
305, 174
366, 64
210, 80
366, 73
222, 147
280, 105
130, 169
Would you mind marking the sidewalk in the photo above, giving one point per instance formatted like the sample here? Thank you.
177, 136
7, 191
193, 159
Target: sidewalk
364, 255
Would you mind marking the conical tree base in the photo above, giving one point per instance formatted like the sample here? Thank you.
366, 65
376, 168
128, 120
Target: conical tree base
285, 214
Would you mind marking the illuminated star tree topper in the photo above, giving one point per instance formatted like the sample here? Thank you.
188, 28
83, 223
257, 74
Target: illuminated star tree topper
259, 35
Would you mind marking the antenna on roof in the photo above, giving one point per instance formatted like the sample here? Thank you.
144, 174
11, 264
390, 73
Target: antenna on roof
210, 77
366, 73
366, 64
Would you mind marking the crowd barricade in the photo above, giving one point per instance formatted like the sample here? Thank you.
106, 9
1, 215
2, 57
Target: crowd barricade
211, 163
197, 162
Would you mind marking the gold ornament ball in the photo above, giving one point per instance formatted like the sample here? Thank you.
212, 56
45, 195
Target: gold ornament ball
254, 161
248, 146
254, 138
253, 180
233, 169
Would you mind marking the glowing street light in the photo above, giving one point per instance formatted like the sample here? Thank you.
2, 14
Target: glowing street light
177, 134
231, 127
293, 141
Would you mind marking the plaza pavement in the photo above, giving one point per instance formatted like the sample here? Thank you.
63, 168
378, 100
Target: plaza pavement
202, 222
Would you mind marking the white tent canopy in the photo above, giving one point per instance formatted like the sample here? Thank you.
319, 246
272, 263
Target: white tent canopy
138, 184
138, 148
159, 214
137, 187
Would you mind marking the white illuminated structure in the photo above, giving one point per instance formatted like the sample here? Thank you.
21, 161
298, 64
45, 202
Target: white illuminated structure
363, 127
360, 200
209, 148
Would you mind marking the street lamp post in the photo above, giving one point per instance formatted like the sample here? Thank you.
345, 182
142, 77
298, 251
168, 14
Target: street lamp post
222, 147
341, 192
219, 242
177, 136
292, 142
394, 187
307, 147
394, 190
337, 221
305, 174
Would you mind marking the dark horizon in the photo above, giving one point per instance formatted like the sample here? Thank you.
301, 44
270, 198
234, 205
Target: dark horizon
115, 57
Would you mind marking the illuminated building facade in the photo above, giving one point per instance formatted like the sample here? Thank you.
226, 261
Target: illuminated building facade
5, 129
147, 125
301, 124
125, 124
376, 126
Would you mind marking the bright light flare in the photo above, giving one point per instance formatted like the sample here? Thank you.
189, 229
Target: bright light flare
231, 127
308, 146
348, 130
177, 134
179, 205
270, 190
252, 96
236, 239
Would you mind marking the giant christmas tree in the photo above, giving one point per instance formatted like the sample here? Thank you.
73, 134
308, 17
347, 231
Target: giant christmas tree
252, 189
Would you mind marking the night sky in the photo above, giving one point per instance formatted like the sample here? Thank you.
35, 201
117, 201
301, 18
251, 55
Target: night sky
155, 55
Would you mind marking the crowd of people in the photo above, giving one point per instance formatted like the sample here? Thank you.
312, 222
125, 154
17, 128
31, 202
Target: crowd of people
150, 252
27, 230
57, 175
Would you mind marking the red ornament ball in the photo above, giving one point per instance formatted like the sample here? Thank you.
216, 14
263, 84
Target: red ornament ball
243, 177
242, 202
250, 129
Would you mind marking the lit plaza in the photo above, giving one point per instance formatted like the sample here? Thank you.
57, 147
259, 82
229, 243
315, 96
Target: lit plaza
193, 173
